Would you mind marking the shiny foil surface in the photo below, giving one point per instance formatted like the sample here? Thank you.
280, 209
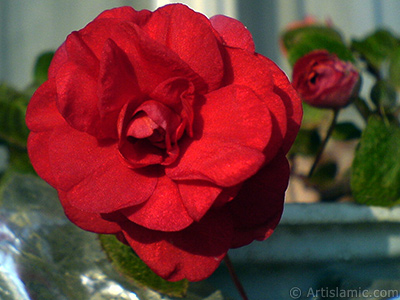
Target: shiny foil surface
44, 256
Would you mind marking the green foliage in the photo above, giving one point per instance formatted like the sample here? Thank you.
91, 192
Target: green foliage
346, 131
319, 42
394, 67
376, 48
301, 41
324, 174
384, 97
13, 105
383, 94
18, 162
313, 117
12, 115
131, 266
292, 37
376, 166
376, 169
307, 142
41, 67
13, 130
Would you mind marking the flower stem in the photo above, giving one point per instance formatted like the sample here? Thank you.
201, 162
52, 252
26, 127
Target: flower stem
324, 142
235, 278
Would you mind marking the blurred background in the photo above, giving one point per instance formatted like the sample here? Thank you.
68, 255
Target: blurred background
29, 27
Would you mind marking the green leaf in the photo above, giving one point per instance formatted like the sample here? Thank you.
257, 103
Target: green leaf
313, 116
346, 131
363, 107
375, 48
130, 265
292, 37
307, 142
324, 174
8, 93
376, 166
394, 68
19, 161
318, 41
383, 94
41, 67
13, 106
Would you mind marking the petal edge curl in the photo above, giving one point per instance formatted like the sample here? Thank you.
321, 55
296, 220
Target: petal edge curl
233, 33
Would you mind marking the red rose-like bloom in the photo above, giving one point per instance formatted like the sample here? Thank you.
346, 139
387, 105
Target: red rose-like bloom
323, 80
166, 129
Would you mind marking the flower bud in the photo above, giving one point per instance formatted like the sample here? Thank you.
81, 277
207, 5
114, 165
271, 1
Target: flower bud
323, 80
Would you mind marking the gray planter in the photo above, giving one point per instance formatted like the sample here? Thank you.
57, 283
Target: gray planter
324, 247
328, 231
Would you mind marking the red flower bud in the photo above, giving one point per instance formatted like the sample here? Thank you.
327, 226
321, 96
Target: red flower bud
323, 80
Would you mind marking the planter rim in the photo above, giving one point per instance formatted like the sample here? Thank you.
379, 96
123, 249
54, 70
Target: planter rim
337, 213
328, 233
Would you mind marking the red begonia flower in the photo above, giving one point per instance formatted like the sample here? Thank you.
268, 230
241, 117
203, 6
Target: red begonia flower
166, 129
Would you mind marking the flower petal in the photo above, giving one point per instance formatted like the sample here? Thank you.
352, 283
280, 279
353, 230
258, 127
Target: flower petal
233, 33
93, 222
257, 73
163, 211
117, 85
193, 253
258, 207
107, 25
202, 53
291, 100
59, 58
38, 150
197, 197
126, 13
153, 62
223, 151
77, 86
42, 113
93, 172
96, 33
93, 193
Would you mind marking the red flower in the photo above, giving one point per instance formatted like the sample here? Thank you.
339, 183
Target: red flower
168, 130
323, 80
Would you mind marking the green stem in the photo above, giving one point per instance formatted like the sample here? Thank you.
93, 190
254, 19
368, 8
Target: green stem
235, 278
324, 142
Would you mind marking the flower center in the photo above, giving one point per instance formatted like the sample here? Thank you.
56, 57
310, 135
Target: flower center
143, 127
149, 133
